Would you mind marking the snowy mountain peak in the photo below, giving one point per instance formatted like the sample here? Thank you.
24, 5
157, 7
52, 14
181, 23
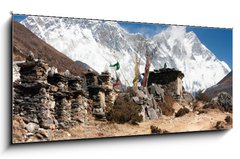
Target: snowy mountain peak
101, 43
192, 37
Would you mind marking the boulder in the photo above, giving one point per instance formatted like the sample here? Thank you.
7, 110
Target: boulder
223, 100
32, 126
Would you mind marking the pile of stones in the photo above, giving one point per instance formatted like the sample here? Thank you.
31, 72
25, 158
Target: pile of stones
31, 99
146, 100
49, 99
224, 100
100, 90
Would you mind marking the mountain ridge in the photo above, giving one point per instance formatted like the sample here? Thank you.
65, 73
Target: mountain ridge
101, 43
25, 41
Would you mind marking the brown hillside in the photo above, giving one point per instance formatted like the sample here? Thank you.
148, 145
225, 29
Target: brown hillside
225, 85
25, 41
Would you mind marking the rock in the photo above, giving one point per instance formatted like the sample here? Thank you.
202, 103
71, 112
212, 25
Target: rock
32, 126
44, 133
39, 136
67, 73
51, 71
222, 100
138, 93
152, 114
53, 88
188, 97
85, 104
157, 92
135, 99
138, 101
225, 100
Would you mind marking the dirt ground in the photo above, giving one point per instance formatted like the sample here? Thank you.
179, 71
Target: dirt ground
186, 123
192, 121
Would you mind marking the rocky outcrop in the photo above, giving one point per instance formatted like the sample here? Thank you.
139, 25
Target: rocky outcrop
223, 100
225, 85
149, 107
24, 41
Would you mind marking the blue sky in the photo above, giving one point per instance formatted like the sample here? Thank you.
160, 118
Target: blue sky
219, 41
19, 18
148, 30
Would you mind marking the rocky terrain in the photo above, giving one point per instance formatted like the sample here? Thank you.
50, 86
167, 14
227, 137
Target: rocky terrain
48, 105
25, 41
225, 85
55, 98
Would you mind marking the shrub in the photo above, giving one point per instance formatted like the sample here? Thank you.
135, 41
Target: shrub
182, 112
220, 125
170, 100
125, 110
156, 130
228, 119
166, 109
166, 106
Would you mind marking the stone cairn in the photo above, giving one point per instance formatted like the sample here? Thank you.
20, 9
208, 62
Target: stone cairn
31, 99
147, 100
47, 98
100, 89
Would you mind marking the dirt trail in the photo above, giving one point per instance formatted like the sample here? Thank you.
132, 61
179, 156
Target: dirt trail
98, 129
188, 122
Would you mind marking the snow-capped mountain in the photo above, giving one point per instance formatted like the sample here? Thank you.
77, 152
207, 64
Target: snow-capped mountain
101, 43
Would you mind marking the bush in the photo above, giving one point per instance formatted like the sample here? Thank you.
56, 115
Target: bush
156, 130
125, 110
228, 119
170, 100
220, 125
166, 106
182, 112
166, 109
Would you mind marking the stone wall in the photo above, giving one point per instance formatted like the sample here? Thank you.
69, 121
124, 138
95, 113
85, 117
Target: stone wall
100, 89
47, 98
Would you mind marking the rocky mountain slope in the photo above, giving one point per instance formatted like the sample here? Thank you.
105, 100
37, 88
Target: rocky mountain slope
225, 85
101, 43
25, 41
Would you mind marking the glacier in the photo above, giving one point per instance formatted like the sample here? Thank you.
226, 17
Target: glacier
100, 43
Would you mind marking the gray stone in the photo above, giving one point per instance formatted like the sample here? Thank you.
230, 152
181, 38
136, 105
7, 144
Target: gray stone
223, 99
152, 114
45, 133
188, 97
135, 99
149, 103
85, 104
138, 92
32, 126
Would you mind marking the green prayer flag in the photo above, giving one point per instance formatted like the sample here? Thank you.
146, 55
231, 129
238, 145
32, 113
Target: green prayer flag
116, 65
